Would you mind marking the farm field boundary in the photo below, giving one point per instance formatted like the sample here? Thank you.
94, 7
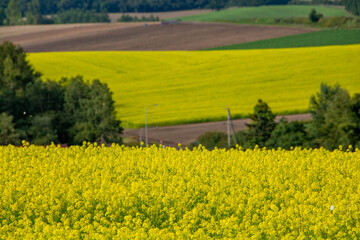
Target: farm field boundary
313, 39
197, 86
283, 11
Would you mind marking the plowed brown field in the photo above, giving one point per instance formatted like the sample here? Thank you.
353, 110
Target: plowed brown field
138, 36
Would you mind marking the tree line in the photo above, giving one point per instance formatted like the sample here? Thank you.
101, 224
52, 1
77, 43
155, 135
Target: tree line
55, 6
352, 6
18, 12
68, 111
15, 12
335, 122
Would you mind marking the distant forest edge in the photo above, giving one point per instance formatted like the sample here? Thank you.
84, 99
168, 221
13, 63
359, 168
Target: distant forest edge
55, 6
13, 11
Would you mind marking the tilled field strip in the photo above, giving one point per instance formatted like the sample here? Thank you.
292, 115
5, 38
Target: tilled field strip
186, 134
139, 36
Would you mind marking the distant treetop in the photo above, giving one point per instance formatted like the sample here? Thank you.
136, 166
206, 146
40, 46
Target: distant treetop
55, 6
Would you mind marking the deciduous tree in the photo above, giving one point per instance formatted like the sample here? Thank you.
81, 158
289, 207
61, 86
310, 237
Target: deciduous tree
70, 111
8, 133
332, 123
289, 134
90, 108
33, 13
263, 123
13, 13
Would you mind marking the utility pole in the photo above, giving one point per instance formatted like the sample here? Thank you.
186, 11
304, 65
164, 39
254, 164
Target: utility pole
232, 126
140, 136
146, 129
228, 127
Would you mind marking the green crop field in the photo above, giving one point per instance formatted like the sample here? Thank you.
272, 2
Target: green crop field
198, 85
313, 39
285, 11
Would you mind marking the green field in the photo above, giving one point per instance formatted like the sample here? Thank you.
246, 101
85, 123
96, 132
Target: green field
198, 85
285, 11
313, 39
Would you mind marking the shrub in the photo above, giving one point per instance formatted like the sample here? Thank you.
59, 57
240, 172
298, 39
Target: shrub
210, 140
314, 16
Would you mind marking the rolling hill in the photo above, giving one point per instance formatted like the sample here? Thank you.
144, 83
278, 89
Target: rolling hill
197, 86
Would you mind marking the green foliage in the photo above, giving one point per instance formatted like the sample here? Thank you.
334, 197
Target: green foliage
42, 96
41, 131
84, 8
320, 2
263, 123
8, 134
210, 140
15, 71
2, 16
13, 13
15, 74
70, 111
333, 122
33, 14
312, 39
91, 112
352, 6
257, 132
314, 16
80, 16
355, 111
152, 5
128, 18
216, 4
289, 134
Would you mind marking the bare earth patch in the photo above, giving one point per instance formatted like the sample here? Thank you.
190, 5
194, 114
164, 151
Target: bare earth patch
138, 36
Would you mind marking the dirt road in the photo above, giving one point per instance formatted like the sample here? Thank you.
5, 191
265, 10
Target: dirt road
186, 134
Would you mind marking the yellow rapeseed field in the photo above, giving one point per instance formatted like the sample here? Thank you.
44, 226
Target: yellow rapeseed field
191, 86
91, 192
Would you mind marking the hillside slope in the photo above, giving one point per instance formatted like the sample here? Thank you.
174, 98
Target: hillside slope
197, 86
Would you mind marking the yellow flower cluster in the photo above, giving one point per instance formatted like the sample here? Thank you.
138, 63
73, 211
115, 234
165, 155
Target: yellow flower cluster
117, 192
